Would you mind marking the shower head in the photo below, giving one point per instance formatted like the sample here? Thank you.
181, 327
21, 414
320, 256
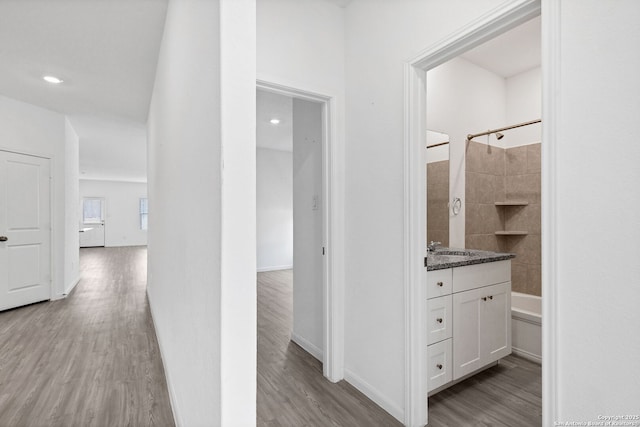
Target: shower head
499, 136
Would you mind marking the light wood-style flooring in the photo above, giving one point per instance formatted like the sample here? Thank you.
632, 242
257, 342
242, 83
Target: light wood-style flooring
91, 359
293, 392
506, 395
291, 389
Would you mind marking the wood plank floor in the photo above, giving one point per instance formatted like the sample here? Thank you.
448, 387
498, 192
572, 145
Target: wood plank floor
506, 395
293, 392
291, 389
91, 359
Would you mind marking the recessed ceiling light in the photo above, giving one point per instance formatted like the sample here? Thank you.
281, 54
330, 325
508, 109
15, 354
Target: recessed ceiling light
275, 121
52, 79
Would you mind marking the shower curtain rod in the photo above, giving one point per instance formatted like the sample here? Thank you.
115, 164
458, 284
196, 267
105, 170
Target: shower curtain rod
437, 145
471, 136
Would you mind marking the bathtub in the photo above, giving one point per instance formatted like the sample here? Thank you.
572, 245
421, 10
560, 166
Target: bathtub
526, 326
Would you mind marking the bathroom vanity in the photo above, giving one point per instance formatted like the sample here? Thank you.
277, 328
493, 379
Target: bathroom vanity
468, 313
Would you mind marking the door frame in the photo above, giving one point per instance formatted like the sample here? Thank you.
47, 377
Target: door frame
332, 290
495, 22
53, 294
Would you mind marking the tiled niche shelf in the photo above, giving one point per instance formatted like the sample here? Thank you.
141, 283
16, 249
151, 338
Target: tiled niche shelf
513, 203
512, 232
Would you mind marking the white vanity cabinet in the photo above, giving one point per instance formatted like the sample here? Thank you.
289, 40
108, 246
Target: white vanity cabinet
481, 327
468, 319
439, 328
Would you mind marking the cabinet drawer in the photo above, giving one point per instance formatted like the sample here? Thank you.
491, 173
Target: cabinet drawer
439, 319
439, 364
478, 275
438, 283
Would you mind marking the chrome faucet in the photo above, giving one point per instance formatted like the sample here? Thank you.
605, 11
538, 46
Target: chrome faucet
432, 246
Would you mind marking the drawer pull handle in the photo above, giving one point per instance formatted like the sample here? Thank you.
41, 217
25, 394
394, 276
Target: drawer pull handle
439, 320
439, 366
491, 297
484, 298
439, 284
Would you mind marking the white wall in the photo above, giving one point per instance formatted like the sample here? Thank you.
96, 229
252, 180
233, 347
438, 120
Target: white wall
274, 209
308, 317
72, 216
300, 44
463, 98
122, 210
28, 129
381, 37
524, 103
596, 200
202, 265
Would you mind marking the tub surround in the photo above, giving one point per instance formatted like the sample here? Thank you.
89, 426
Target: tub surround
503, 209
450, 257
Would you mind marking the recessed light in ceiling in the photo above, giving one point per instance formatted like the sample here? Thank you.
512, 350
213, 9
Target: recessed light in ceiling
52, 79
274, 121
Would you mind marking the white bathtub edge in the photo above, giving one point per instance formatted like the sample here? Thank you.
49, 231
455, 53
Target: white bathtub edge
526, 327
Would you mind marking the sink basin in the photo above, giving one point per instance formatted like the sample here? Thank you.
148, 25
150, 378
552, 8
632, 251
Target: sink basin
452, 253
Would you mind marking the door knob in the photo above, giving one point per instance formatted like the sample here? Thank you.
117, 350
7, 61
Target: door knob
3, 238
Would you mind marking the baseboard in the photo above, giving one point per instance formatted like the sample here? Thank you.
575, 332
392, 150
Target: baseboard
308, 347
275, 268
527, 355
67, 290
71, 286
373, 394
172, 397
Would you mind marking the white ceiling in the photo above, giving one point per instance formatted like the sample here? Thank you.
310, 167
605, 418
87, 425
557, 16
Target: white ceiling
269, 106
106, 53
511, 53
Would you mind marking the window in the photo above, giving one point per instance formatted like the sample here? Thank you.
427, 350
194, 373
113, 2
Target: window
92, 210
144, 213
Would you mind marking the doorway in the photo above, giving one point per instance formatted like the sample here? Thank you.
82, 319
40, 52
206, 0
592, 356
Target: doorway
485, 28
25, 230
312, 115
289, 215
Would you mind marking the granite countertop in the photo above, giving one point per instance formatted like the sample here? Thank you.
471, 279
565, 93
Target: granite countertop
443, 258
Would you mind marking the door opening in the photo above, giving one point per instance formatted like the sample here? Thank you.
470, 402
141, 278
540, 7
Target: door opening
485, 28
314, 234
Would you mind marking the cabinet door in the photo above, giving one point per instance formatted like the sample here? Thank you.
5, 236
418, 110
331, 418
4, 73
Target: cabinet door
467, 355
496, 322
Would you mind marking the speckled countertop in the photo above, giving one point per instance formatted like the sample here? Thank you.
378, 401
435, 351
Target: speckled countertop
443, 258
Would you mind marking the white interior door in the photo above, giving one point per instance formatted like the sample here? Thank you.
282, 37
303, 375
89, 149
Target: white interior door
308, 314
25, 230
92, 230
